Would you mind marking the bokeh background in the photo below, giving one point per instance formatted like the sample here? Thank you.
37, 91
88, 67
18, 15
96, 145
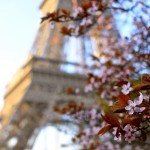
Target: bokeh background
19, 22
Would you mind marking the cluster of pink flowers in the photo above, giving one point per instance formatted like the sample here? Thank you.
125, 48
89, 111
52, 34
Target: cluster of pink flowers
77, 11
93, 10
92, 85
129, 136
134, 105
86, 22
130, 133
116, 134
116, 63
126, 88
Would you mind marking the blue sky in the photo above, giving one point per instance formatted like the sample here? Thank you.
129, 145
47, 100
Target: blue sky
19, 21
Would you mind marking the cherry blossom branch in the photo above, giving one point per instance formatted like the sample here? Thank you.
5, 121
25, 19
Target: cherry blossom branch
129, 9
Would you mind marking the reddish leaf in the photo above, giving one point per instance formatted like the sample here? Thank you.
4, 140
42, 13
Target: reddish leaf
120, 83
136, 121
146, 79
64, 30
133, 120
123, 100
111, 119
64, 11
127, 121
141, 87
120, 110
65, 110
86, 5
114, 108
117, 109
72, 104
81, 28
104, 129
70, 91
56, 108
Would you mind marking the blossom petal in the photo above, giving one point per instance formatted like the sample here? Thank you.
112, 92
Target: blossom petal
131, 103
124, 91
126, 88
140, 100
127, 108
128, 84
142, 109
139, 109
127, 128
131, 111
130, 89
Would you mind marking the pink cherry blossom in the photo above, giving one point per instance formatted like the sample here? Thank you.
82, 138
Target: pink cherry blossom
114, 130
129, 137
130, 107
140, 100
93, 113
96, 84
137, 133
139, 109
77, 11
126, 88
117, 135
117, 138
92, 10
128, 128
86, 22
92, 80
88, 88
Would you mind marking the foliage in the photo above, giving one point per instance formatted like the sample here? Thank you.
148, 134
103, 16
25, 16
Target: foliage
120, 76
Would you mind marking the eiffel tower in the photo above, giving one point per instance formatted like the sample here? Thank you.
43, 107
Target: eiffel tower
41, 83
